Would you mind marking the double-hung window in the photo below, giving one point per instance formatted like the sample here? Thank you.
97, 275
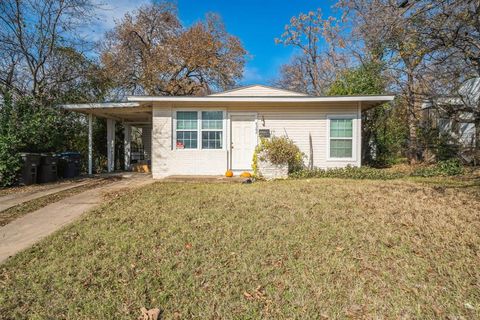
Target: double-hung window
212, 129
199, 129
187, 130
341, 138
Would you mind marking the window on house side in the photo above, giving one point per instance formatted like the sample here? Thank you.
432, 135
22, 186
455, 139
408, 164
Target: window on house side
341, 138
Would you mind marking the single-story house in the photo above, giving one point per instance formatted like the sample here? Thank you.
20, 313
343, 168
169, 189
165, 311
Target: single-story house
206, 135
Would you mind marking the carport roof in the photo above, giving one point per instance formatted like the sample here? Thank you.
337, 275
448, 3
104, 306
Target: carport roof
132, 112
102, 105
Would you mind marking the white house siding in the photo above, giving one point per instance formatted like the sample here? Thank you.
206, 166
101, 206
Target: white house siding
257, 91
297, 123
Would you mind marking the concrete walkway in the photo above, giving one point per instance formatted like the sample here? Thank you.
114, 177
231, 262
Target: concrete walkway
27, 230
13, 199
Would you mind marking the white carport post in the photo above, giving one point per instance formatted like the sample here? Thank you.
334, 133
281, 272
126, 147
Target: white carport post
127, 131
90, 143
110, 145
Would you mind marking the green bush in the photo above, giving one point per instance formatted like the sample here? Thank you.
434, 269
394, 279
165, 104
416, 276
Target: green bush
279, 151
10, 162
450, 167
348, 172
29, 126
10, 144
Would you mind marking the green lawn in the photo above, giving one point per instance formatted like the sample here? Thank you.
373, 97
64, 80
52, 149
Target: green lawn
319, 248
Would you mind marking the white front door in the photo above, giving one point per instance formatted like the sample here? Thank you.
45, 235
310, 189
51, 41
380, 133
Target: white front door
243, 141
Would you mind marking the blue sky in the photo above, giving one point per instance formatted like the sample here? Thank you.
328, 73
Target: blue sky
256, 23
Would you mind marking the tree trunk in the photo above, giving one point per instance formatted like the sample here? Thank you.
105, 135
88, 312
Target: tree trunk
413, 151
366, 139
476, 159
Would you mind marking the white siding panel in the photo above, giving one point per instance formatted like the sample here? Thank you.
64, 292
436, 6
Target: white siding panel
300, 125
257, 91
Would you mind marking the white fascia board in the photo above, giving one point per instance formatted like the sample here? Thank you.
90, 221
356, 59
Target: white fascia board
99, 105
261, 99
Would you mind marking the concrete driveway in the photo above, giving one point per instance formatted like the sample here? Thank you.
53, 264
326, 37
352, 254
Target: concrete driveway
32, 227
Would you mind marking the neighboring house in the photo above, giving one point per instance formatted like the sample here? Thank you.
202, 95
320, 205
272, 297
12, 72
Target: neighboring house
190, 135
454, 116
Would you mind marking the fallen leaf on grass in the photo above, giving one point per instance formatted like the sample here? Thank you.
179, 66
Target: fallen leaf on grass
354, 311
247, 296
151, 314
258, 294
469, 306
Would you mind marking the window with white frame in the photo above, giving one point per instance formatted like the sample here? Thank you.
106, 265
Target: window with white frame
341, 138
187, 130
202, 129
212, 129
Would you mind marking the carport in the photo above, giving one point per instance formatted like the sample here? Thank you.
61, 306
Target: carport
129, 114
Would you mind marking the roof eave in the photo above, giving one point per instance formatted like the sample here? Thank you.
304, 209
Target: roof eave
290, 99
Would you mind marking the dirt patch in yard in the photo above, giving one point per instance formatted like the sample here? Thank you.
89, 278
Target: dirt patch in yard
294, 249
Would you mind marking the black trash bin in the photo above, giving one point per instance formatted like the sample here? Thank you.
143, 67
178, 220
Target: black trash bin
29, 171
47, 172
69, 164
61, 167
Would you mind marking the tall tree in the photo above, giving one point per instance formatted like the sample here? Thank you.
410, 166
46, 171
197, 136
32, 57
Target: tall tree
319, 53
385, 32
150, 52
383, 128
31, 33
394, 33
454, 31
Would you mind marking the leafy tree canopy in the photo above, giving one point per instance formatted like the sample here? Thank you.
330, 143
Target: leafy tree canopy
366, 79
150, 52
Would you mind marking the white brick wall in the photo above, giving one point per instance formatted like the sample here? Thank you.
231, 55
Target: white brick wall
269, 171
168, 161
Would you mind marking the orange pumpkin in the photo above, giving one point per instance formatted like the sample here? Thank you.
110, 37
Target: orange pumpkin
246, 174
229, 173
